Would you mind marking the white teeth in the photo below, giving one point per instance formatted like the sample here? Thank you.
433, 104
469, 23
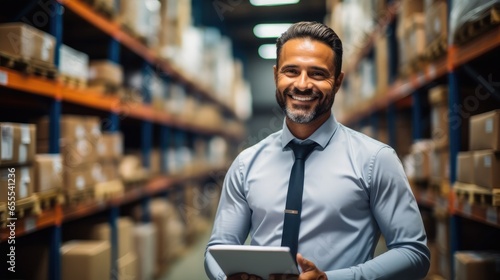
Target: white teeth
302, 98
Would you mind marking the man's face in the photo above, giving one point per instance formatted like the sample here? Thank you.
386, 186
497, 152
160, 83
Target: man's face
305, 82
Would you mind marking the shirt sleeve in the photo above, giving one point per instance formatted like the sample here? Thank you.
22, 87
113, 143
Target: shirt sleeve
396, 211
232, 221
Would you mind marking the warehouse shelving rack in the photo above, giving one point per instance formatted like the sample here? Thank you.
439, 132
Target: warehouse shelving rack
170, 126
407, 92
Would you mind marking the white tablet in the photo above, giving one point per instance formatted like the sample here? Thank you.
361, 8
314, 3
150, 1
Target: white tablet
258, 260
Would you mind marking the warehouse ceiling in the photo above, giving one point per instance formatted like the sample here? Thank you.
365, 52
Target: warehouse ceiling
237, 18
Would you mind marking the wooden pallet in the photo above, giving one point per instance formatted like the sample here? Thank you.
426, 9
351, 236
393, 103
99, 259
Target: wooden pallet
49, 199
436, 49
29, 205
476, 195
3, 214
28, 66
72, 82
76, 197
104, 87
471, 29
109, 190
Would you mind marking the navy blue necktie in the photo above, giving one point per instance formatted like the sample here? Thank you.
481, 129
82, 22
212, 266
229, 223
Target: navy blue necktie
293, 208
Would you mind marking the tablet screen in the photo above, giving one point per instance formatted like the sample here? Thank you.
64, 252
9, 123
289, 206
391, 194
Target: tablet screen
258, 260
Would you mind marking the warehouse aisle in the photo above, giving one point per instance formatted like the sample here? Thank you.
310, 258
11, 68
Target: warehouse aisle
190, 267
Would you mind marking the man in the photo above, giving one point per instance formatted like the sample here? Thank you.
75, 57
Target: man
354, 187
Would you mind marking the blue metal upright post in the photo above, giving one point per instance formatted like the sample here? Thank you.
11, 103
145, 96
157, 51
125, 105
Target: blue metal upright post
56, 29
164, 141
416, 111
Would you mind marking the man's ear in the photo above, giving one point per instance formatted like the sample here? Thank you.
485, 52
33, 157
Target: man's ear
338, 82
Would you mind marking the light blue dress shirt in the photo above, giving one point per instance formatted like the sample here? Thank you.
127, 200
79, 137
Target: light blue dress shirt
354, 190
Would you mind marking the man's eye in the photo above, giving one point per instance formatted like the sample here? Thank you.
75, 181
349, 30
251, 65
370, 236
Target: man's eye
318, 74
290, 71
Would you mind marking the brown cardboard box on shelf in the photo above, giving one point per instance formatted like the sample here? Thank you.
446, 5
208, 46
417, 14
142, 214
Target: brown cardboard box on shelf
105, 71
71, 127
74, 153
477, 265
17, 179
110, 146
438, 95
127, 267
104, 171
440, 166
23, 40
381, 53
440, 127
484, 131
436, 20
48, 172
416, 39
145, 248
465, 167
73, 64
17, 144
77, 179
85, 259
486, 167
125, 226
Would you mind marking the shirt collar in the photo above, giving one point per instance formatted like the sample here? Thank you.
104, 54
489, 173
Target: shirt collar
321, 136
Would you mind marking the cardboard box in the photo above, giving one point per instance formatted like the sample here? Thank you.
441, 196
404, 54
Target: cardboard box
381, 53
125, 228
71, 127
104, 171
17, 143
105, 71
465, 167
74, 153
417, 42
48, 172
23, 40
110, 146
73, 63
440, 127
127, 267
484, 131
77, 179
85, 259
18, 179
477, 265
438, 95
439, 166
145, 236
436, 20
486, 167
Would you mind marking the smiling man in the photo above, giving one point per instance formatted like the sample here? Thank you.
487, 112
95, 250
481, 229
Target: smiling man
323, 190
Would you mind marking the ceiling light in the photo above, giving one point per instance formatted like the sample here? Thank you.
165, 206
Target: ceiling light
273, 2
267, 51
270, 30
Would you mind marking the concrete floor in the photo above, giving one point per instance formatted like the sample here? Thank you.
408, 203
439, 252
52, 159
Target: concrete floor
190, 266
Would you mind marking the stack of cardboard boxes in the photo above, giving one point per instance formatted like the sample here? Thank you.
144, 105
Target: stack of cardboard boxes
17, 155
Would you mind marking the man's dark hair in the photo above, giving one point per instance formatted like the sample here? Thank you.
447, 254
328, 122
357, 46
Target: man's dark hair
315, 31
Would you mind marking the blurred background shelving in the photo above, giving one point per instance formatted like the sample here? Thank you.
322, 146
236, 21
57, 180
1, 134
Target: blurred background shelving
121, 117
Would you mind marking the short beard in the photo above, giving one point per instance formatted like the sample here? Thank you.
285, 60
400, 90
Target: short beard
303, 117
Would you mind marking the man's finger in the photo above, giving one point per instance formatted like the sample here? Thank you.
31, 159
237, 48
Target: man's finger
305, 264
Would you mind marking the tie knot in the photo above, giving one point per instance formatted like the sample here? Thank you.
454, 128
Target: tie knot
301, 151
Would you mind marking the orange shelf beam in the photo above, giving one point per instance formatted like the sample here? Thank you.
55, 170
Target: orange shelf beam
30, 83
475, 48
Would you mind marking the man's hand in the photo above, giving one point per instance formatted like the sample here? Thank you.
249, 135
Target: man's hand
309, 270
243, 276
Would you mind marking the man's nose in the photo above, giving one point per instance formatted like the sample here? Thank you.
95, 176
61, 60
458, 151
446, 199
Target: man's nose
303, 82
